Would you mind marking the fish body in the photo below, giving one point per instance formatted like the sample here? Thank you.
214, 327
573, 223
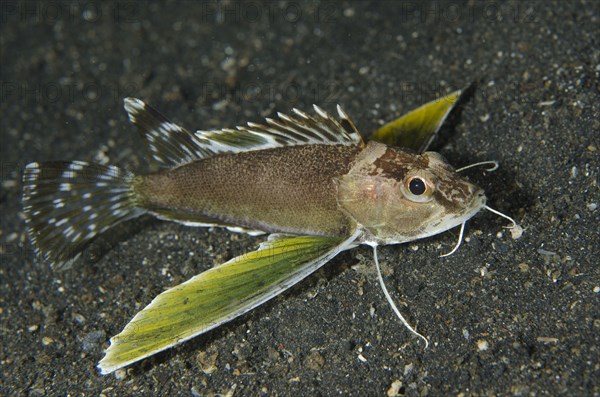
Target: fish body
312, 182
318, 190
285, 190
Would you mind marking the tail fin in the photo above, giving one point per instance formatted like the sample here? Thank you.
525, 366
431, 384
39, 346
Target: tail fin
67, 204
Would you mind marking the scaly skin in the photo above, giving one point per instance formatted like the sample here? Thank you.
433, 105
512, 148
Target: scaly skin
319, 190
288, 189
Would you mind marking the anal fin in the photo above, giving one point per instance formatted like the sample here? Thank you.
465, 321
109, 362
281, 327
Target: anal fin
194, 220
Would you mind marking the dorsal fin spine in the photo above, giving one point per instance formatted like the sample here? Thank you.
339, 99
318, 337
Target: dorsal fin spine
172, 145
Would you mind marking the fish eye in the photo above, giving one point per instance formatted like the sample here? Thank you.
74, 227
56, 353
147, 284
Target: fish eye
417, 189
417, 186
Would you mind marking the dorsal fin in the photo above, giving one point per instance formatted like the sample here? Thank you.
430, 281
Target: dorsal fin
173, 145
350, 127
301, 129
169, 144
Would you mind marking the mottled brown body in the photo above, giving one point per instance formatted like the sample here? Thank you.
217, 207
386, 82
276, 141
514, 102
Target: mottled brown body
287, 189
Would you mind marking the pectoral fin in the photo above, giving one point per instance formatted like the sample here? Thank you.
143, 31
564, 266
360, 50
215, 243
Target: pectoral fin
417, 128
219, 295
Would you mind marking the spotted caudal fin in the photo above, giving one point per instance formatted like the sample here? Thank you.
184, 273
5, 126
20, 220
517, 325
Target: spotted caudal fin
67, 204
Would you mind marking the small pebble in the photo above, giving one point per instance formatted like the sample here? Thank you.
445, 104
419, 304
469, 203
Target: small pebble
544, 252
92, 340
546, 339
516, 232
120, 374
394, 389
482, 345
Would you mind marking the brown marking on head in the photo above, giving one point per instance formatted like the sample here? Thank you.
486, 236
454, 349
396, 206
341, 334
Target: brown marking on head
398, 195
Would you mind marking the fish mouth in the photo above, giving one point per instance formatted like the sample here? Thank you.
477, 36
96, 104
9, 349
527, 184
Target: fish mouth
477, 203
479, 199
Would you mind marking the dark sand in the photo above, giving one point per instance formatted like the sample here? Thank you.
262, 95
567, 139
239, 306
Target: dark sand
504, 317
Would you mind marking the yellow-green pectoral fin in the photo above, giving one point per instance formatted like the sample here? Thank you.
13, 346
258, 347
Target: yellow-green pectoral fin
219, 295
417, 128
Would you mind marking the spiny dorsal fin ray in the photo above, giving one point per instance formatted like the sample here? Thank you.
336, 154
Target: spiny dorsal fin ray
169, 144
173, 145
284, 130
349, 126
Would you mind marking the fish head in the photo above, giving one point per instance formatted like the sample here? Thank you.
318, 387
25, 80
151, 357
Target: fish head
397, 196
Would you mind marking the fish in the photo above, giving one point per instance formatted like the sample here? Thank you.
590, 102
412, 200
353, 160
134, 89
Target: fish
311, 182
